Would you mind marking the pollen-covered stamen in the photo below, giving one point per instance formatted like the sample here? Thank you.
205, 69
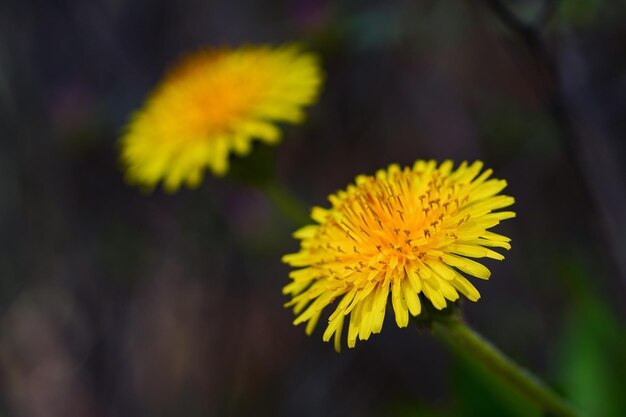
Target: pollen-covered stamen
395, 235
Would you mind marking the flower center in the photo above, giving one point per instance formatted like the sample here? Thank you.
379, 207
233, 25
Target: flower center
384, 223
210, 93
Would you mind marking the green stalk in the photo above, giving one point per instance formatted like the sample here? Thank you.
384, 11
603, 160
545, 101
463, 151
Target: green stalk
454, 332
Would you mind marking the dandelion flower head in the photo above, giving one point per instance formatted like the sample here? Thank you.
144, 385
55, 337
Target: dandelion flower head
407, 234
212, 103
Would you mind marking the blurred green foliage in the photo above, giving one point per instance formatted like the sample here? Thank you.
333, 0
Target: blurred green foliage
591, 355
580, 13
479, 393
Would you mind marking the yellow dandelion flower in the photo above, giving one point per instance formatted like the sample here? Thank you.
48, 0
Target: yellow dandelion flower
400, 233
213, 103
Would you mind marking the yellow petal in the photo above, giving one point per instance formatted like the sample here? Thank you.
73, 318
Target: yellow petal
441, 269
473, 251
467, 265
399, 305
412, 300
355, 325
435, 296
466, 288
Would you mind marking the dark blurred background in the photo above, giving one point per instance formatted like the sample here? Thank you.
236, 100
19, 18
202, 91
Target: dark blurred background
116, 303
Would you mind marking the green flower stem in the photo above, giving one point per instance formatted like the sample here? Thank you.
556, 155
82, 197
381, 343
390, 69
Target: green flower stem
286, 203
454, 332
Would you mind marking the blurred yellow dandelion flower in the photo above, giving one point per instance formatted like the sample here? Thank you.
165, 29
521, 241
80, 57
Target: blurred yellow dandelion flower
213, 103
402, 232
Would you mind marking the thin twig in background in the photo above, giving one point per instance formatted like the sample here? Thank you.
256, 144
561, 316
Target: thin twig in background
600, 182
